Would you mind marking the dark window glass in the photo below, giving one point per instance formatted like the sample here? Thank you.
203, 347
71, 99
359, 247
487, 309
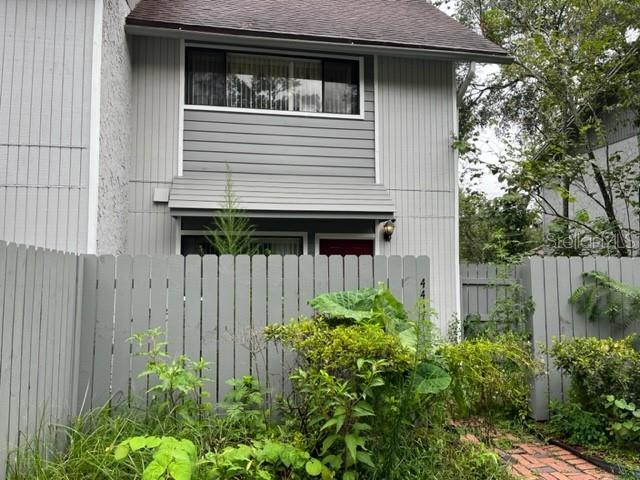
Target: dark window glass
268, 82
199, 245
341, 85
205, 77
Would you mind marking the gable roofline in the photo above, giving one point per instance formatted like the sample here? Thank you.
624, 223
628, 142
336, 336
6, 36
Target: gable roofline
312, 42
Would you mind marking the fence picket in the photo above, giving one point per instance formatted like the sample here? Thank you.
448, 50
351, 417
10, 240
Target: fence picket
122, 330
380, 270
409, 282
36, 354
226, 325
140, 323
104, 329
259, 316
336, 273
290, 309
175, 307
87, 335
305, 270
395, 275
242, 318
350, 268
18, 331
365, 271
192, 306
274, 316
209, 321
321, 274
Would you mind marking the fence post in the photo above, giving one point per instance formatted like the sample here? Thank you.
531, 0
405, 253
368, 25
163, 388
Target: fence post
531, 276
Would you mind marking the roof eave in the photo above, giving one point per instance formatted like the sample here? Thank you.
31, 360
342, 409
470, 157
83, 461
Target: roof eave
197, 32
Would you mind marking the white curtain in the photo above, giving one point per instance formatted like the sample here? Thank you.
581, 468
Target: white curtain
274, 83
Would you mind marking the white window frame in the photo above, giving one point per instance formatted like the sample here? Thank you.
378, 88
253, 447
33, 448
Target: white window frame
303, 235
346, 236
275, 53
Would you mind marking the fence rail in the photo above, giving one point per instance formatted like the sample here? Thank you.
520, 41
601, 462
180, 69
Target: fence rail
66, 319
482, 285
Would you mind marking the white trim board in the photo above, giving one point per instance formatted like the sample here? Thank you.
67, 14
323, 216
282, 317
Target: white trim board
94, 130
181, 96
266, 51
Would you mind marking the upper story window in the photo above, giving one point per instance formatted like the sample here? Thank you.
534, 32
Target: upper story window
267, 82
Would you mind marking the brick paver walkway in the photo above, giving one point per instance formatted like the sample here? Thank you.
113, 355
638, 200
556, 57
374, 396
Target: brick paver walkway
537, 461
548, 462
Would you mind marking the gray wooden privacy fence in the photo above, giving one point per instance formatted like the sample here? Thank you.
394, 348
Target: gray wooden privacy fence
550, 282
483, 284
38, 343
66, 319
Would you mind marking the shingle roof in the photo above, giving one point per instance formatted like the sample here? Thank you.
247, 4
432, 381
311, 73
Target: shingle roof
281, 195
396, 23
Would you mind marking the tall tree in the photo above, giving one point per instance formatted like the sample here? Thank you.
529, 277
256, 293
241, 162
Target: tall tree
576, 63
499, 230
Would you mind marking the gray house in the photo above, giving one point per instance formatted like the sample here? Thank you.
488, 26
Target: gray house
118, 119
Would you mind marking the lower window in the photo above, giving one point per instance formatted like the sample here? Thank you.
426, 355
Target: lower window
267, 245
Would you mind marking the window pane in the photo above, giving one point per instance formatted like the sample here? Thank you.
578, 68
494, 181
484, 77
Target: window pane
307, 85
341, 85
205, 77
279, 245
257, 82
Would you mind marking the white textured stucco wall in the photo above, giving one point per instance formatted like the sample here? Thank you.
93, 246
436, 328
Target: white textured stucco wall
115, 128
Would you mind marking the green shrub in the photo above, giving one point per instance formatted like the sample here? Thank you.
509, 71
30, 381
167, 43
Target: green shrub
625, 424
337, 349
577, 425
599, 368
490, 377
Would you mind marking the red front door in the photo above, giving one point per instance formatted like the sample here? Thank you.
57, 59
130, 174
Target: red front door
345, 246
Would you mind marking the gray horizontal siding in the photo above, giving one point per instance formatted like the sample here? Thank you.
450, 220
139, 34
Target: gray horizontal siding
283, 145
280, 193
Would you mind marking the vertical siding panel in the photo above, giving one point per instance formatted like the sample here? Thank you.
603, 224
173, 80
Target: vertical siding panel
417, 165
210, 322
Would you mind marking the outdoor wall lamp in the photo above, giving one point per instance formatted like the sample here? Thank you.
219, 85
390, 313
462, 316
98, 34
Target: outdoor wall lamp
388, 228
